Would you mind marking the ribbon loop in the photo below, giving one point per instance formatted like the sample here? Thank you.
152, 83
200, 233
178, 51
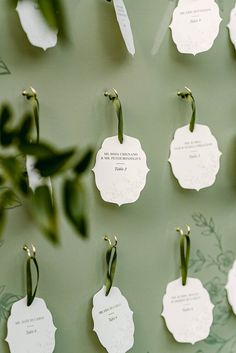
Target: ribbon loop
33, 98
29, 286
111, 260
187, 95
113, 96
184, 253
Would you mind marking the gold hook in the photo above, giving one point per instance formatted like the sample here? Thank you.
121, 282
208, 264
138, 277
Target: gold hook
116, 93
188, 89
106, 238
179, 93
31, 94
27, 249
110, 94
179, 230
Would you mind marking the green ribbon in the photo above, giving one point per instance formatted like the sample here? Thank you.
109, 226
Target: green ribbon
32, 97
187, 95
184, 253
113, 96
29, 283
111, 260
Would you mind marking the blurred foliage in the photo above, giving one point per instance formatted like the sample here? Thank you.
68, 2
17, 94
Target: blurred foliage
53, 12
17, 145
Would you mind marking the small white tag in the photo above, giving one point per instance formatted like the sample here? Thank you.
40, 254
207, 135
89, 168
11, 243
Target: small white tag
124, 23
34, 177
120, 170
30, 328
195, 25
195, 157
38, 31
231, 287
113, 321
232, 26
187, 310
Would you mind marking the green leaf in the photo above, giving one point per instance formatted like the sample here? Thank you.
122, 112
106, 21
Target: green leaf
13, 170
48, 11
74, 205
83, 164
198, 267
25, 129
200, 255
54, 15
214, 339
22, 161
211, 224
2, 220
200, 220
44, 212
6, 135
38, 150
8, 199
4, 70
51, 165
14, 2
6, 302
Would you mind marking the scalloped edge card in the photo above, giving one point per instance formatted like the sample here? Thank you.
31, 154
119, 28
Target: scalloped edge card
120, 170
231, 287
113, 321
188, 310
232, 26
30, 328
195, 157
124, 23
195, 25
37, 30
34, 177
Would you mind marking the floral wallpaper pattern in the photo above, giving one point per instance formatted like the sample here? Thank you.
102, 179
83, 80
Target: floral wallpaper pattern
221, 262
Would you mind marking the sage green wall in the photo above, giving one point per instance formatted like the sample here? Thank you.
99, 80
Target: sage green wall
70, 81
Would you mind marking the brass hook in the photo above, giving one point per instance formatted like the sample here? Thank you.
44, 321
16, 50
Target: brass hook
179, 93
188, 89
27, 249
32, 94
179, 230
111, 95
106, 238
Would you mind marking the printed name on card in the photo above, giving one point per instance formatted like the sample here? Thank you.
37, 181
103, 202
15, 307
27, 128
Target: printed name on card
195, 157
187, 310
30, 328
113, 321
195, 25
120, 170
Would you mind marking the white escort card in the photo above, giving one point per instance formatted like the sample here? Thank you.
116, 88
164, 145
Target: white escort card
187, 310
232, 26
33, 23
231, 287
195, 25
120, 170
34, 177
113, 321
30, 328
195, 157
124, 23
